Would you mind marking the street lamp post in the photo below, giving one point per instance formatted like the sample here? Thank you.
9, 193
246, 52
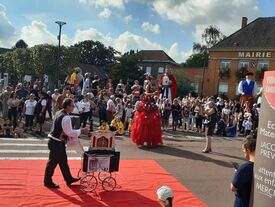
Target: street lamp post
60, 24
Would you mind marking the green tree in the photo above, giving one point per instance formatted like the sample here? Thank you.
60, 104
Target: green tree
20, 44
126, 68
22, 61
44, 59
70, 56
184, 84
95, 53
211, 36
7, 63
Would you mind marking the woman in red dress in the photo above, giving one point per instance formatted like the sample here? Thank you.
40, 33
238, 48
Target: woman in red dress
147, 121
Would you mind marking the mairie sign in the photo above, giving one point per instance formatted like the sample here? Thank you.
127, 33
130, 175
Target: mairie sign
255, 54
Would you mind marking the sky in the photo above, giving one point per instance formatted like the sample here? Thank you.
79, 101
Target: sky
169, 25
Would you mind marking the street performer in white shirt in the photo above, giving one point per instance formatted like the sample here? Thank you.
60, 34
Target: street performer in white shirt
60, 133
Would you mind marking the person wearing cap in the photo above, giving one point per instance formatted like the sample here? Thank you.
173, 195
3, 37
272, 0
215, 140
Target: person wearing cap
247, 89
165, 196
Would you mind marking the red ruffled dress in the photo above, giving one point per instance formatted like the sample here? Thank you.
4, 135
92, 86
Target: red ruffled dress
147, 123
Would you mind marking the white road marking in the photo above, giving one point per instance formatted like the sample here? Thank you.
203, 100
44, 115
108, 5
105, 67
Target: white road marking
24, 139
31, 151
35, 158
195, 137
23, 145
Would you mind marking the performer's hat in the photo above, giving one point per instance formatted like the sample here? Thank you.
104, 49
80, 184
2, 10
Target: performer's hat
147, 74
249, 73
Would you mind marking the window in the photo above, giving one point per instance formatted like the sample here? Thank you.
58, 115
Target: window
262, 65
244, 64
161, 70
148, 69
225, 64
224, 68
223, 88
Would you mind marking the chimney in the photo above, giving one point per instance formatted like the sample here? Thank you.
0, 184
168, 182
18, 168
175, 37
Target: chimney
244, 22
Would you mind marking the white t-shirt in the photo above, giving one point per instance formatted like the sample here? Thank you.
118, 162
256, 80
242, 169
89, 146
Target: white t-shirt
44, 102
86, 105
248, 125
54, 97
30, 106
78, 107
128, 112
226, 111
111, 106
119, 110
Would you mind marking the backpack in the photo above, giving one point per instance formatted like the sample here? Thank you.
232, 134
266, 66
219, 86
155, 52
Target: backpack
38, 107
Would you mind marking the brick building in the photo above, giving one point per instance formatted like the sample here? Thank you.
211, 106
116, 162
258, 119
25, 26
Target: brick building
155, 61
252, 48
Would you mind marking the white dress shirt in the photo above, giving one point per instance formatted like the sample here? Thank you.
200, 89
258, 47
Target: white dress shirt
67, 127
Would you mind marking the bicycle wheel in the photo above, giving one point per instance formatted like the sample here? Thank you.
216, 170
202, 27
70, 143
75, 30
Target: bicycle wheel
88, 183
102, 175
109, 184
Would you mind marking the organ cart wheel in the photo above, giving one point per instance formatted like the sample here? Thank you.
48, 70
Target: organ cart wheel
103, 175
109, 184
80, 173
88, 183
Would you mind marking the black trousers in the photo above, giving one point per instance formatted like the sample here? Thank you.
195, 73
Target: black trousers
57, 156
84, 118
29, 120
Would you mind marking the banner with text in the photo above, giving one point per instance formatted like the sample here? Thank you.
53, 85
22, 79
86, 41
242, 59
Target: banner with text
264, 168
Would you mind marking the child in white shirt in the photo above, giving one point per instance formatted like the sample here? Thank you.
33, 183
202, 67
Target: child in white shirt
247, 124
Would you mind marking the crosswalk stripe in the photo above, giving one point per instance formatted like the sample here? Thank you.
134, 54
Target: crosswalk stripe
23, 145
31, 151
24, 139
35, 158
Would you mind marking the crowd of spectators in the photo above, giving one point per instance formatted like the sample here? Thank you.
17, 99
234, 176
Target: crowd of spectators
29, 104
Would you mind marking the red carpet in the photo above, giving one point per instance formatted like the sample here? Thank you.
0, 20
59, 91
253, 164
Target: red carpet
21, 184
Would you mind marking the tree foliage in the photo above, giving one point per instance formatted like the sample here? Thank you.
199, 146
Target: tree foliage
184, 84
126, 68
20, 44
39, 60
211, 36
96, 53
